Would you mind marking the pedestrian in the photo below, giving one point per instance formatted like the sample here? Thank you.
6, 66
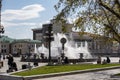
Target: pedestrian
108, 60
66, 60
0, 56
35, 64
119, 60
29, 66
104, 62
14, 66
59, 60
10, 60
99, 60
42, 56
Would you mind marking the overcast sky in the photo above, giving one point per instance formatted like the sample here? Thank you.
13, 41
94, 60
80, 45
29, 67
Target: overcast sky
20, 16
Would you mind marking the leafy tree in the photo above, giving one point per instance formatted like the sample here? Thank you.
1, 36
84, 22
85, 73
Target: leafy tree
98, 16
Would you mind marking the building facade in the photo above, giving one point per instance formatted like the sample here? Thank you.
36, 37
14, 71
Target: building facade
97, 44
38, 33
17, 46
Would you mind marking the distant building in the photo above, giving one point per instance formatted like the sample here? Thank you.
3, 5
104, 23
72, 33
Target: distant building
17, 46
57, 28
38, 34
96, 43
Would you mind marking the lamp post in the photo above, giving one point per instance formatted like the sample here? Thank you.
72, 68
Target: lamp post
28, 55
63, 41
1, 27
48, 34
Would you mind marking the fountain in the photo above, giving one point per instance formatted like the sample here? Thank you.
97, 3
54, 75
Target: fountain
35, 49
71, 50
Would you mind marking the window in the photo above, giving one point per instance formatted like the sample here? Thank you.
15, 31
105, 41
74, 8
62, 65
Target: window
5, 50
32, 45
1, 46
2, 51
83, 44
21, 45
4, 46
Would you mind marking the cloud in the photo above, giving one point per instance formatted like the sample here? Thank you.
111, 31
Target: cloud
25, 13
12, 24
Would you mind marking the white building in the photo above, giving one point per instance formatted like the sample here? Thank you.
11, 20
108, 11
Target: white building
97, 44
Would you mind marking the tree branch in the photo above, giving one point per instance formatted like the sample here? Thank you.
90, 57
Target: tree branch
109, 9
117, 2
114, 32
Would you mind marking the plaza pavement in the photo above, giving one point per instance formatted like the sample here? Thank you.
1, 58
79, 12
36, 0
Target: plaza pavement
18, 62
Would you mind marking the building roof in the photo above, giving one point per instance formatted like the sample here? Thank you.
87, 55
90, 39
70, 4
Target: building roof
36, 29
6, 39
86, 36
26, 41
81, 36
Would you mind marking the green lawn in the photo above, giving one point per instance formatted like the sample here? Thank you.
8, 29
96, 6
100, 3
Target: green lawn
61, 68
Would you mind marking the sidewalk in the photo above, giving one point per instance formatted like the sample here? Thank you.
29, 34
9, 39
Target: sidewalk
18, 62
37, 77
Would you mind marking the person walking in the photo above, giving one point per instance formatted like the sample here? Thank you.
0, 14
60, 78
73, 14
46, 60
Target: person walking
108, 60
10, 60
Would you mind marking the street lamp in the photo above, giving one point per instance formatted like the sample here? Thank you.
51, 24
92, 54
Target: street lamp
48, 35
1, 30
1, 27
63, 41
